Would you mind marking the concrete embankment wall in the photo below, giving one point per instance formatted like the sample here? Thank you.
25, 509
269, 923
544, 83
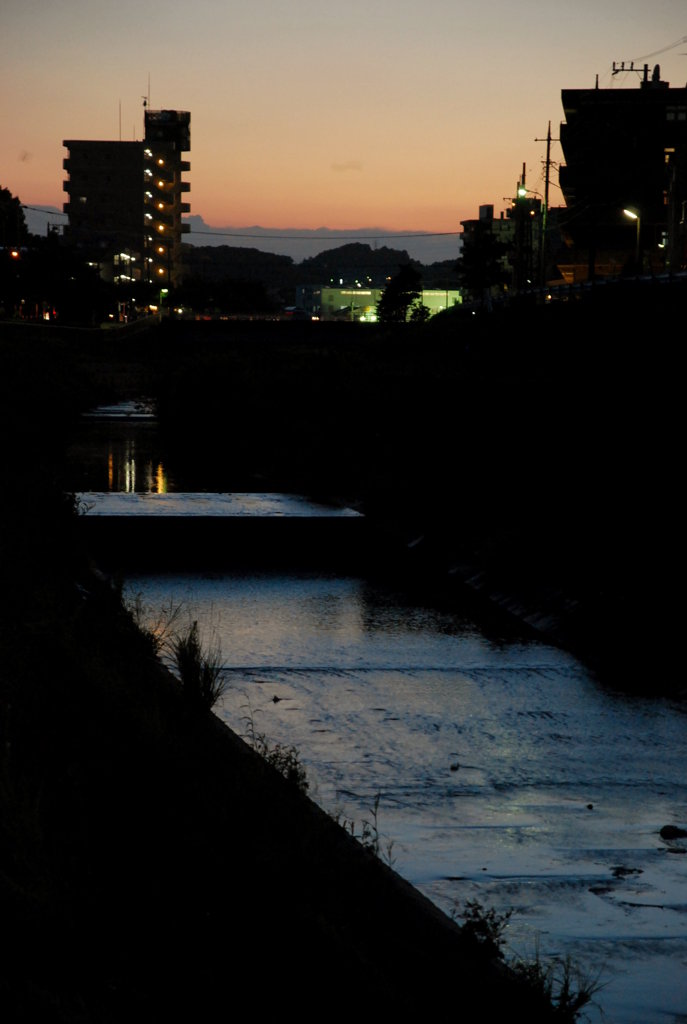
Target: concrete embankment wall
191, 542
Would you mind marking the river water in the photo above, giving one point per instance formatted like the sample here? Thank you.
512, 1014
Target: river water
503, 772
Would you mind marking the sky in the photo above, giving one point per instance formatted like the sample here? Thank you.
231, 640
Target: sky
377, 113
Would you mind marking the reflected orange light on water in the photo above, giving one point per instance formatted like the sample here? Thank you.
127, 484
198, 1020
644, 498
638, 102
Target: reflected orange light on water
160, 479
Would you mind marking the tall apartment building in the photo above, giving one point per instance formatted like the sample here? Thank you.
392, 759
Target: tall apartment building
626, 149
125, 200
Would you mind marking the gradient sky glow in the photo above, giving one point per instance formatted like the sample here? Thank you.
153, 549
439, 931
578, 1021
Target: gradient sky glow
304, 114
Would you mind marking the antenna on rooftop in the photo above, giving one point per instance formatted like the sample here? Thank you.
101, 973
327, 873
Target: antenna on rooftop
621, 66
146, 98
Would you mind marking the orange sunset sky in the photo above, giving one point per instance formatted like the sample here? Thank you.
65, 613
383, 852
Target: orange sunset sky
389, 113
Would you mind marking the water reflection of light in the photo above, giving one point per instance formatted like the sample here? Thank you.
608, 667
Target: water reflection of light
130, 468
160, 480
129, 474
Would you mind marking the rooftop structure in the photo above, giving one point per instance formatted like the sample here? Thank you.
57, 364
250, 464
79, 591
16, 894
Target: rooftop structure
505, 251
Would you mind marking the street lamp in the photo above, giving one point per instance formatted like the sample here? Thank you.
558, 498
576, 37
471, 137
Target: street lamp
634, 215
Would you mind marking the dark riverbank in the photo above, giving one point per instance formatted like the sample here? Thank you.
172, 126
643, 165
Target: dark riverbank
151, 860
150, 864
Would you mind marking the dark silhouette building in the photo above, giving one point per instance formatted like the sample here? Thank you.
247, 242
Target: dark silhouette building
625, 149
125, 200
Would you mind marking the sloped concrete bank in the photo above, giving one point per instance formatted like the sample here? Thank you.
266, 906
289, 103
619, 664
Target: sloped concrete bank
631, 639
625, 628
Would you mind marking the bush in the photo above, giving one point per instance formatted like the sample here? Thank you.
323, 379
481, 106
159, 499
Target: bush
200, 670
286, 760
486, 927
561, 984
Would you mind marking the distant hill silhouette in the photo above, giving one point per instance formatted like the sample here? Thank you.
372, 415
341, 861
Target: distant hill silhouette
227, 266
305, 243
355, 261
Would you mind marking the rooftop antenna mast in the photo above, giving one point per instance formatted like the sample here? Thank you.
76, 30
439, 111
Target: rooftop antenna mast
146, 103
625, 66
619, 67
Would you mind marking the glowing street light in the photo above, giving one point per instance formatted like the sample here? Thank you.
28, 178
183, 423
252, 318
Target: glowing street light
634, 215
163, 293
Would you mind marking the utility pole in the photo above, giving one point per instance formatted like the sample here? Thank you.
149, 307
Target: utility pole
522, 255
545, 211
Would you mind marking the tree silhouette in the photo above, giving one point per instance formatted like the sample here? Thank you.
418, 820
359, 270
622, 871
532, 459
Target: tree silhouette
399, 295
13, 230
419, 313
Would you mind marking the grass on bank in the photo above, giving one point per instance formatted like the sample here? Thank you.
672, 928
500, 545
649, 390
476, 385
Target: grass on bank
199, 668
559, 983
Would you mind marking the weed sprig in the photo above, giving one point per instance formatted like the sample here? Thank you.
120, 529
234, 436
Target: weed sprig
285, 758
370, 836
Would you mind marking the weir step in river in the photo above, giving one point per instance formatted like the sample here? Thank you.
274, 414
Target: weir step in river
199, 529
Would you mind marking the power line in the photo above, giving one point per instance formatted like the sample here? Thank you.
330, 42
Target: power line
325, 238
41, 209
286, 237
671, 46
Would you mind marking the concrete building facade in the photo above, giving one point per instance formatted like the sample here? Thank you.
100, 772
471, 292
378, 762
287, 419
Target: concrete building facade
167, 137
626, 149
325, 302
125, 200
